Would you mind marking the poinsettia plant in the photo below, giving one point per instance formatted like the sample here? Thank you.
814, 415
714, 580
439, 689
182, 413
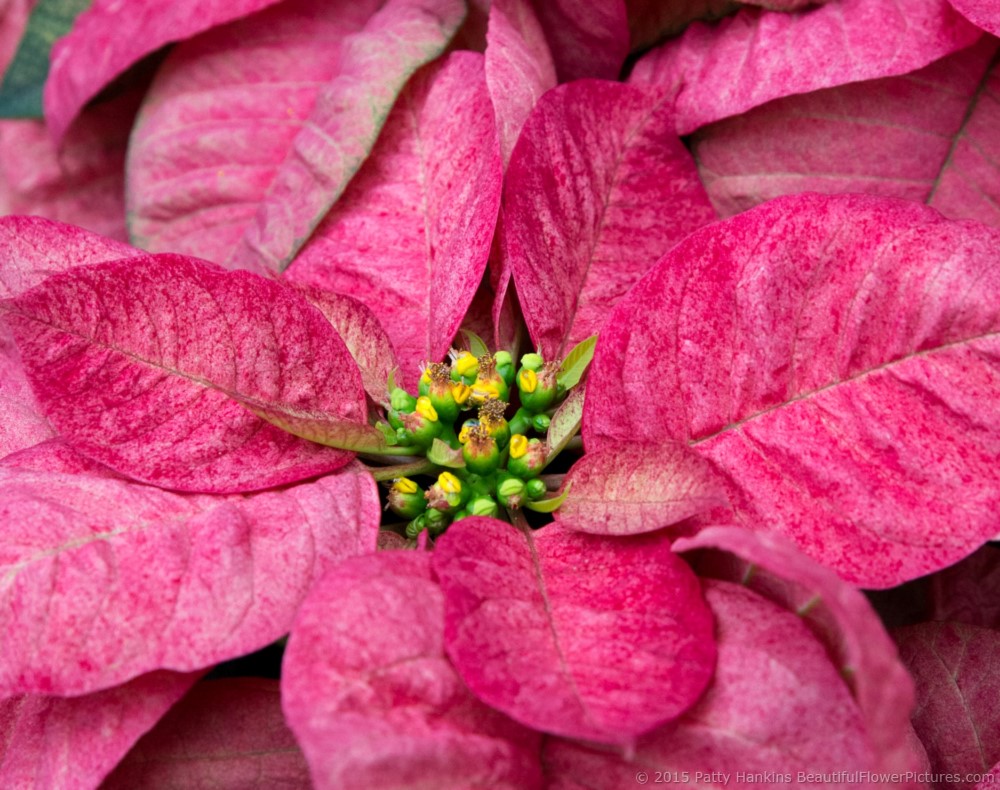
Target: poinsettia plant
271, 422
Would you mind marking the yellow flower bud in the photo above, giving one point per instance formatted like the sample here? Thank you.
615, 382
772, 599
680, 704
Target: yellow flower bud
518, 445
425, 409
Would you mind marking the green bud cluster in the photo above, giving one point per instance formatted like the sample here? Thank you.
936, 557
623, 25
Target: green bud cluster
485, 464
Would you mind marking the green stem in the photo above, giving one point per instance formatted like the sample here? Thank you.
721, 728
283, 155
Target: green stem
518, 520
421, 467
389, 450
552, 482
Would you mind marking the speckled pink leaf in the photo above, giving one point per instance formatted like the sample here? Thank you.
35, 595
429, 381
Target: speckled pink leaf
955, 667
519, 67
991, 779
22, 423
111, 36
221, 116
597, 189
72, 743
373, 700
411, 235
116, 579
642, 489
587, 39
836, 359
930, 136
982, 13
363, 335
574, 634
83, 181
776, 706
344, 124
225, 734
969, 591
34, 248
134, 362
715, 71
837, 614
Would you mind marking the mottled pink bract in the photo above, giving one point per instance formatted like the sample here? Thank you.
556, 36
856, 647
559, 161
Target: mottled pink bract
225, 734
411, 235
222, 115
372, 698
73, 742
931, 136
839, 615
969, 591
110, 36
342, 127
597, 189
646, 488
587, 39
835, 359
776, 707
715, 71
135, 361
574, 634
955, 669
982, 13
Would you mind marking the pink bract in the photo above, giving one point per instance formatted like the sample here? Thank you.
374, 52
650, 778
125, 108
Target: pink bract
833, 358
117, 579
982, 13
136, 362
646, 488
74, 742
715, 71
587, 39
411, 236
955, 667
597, 189
776, 707
969, 591
573, 634
374, 702
111, 36
931, 136
224, 734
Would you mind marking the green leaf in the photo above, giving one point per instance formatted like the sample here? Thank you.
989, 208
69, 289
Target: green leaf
325, 429
477, 346
548, 505
575, 365
21, 89
565, 423
442, 454
390, 385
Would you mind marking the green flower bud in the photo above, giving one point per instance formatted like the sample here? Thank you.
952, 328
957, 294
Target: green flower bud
505, 367
437, 521
491, 418
535, 489
484, 506
481, 454
401, 400
465, 368
415, 527
489, 383
510, 490
527, 457
532, 362
521, 422
541, 422
406, 499
537, 388
448, 494
422, 426
440, 394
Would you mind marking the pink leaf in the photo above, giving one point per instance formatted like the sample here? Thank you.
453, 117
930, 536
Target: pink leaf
955, 668
363, 335
574, 634
33, 249
372, 698
134, 362
116, 579
969, 591
22, 423
222, 115
597, 189
83, 181
519, 67
111, 36
73, 743
713, 72
587, 39
776, 710
651, 21
834, 358
223, 734
612, 492
411, 235
837, 614
982, 13
344, 124
929, 136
